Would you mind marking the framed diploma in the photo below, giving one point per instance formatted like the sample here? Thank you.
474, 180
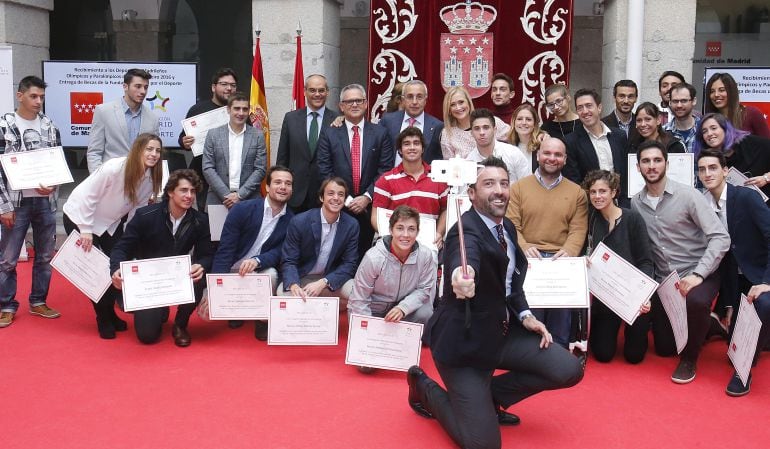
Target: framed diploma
30, 169
198, 126
559, 283
681, 168
737, 178
377, 343
743, 344
676, 308
313, 322
236, 297
88, 271
618, 284
427, 233
160, 282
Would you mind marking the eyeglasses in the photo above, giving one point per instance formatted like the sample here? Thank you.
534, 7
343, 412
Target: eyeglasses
418, 97
230, 85
314, 91
684, 101
354, 101
558, 102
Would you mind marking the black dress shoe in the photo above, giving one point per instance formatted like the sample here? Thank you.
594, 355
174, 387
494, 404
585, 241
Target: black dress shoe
119, 324
181, 336
234, 324
507, 419
260, 330
413, 377
106, 329
164, 315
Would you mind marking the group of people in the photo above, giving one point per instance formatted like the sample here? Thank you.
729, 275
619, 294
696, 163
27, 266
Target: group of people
545, 189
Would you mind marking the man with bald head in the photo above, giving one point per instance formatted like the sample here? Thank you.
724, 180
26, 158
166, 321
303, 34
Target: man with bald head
550, 213
299, 137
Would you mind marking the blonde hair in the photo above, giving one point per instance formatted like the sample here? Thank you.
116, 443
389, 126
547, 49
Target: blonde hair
534, 140
134, 170
449, 120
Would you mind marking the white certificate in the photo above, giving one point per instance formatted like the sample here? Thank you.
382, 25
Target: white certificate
30, 169
199, 125
217, 215
557, 283
293, 321
681, 168
88, 271
377, 343
675, 306
236, 297
619, 285
737, 178
427, 233
451, 209
743, 345
150, 283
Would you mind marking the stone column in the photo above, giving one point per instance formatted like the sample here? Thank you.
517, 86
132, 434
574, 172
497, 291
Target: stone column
669, 43
24, 26
277, 20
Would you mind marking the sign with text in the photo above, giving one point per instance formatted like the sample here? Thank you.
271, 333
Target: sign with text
75, 88
753, 85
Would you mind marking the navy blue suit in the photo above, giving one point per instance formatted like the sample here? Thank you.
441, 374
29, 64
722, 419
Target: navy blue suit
581, 158
470, 338
303, 244
240, 231
431, 130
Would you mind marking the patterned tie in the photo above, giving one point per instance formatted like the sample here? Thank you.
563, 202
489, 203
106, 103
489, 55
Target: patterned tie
412, 121
312, 138
501, 237
355, 159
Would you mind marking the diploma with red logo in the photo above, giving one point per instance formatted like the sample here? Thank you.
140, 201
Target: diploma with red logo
313, 322
160, 282
236, 297
88, 271
198, 126
618, 284
676, 308
744, 341
377, 343
31, 169
557, 283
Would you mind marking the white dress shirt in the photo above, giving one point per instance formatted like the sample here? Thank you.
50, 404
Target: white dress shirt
602, 147
269, 222
328, 231
235, 142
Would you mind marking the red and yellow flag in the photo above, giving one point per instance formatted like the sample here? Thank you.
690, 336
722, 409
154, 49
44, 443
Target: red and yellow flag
258, 100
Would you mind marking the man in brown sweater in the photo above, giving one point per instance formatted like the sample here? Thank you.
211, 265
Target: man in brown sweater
550, 213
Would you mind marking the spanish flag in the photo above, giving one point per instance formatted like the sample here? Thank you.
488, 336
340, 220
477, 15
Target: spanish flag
257, 99
298, 87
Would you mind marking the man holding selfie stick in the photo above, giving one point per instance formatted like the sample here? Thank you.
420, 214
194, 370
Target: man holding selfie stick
483, 323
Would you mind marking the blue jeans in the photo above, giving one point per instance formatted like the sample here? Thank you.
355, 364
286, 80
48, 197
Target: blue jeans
38, 213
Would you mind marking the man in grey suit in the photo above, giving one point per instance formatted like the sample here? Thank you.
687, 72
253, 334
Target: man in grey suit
299, 138
234, 157
358, 152
415, 97
117, 123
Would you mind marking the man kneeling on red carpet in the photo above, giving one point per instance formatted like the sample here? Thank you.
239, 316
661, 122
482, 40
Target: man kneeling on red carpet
397, 277
169, 228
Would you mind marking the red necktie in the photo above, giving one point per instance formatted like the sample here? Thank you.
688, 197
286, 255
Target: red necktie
355, 159
412, 121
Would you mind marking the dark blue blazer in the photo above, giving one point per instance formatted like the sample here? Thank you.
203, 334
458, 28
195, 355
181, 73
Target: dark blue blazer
748, 222
240, 231
581, 158
478, 346
431, 130
303, 244
333, 156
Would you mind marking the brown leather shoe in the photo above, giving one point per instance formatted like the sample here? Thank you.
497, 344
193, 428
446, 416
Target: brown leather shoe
181, 336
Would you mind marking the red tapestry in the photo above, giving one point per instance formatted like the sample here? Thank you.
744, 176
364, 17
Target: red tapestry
462, 42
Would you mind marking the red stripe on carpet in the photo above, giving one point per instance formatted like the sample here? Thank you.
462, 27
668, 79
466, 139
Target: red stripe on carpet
65, 388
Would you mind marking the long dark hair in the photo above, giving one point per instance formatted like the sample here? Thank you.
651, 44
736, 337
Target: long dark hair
734, 107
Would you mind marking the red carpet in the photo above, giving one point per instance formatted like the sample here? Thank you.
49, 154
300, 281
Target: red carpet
64, 388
